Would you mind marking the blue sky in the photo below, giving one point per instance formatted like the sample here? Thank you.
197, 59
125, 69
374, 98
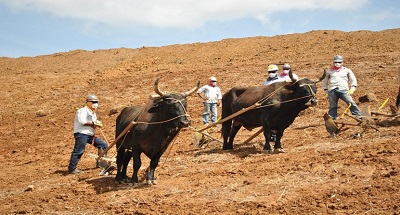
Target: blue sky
41, 27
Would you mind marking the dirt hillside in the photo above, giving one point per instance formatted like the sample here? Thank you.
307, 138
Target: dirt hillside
317, 174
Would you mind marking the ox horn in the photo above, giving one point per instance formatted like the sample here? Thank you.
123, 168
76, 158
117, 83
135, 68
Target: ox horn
156, 88
194, 89
291, 76
322, 77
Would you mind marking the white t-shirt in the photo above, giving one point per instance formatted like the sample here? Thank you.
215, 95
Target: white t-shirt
212, 93
82, 116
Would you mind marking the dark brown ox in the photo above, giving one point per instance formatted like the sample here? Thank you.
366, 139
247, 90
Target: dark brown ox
275, 108
155, 125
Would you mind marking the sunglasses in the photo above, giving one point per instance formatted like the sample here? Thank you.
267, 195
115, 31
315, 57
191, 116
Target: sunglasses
95, 102
272, 71
338, 62
213, 81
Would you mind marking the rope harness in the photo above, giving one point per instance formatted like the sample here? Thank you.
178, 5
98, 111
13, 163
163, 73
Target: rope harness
168, 120
264, 99
258, 105
159, 122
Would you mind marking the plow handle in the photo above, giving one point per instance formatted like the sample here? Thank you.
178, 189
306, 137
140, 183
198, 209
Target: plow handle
127, 128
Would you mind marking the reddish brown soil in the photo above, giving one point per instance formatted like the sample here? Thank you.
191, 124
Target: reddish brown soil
317, 174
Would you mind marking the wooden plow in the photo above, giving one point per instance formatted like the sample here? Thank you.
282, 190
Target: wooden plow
106, 163
202, 137
368, 120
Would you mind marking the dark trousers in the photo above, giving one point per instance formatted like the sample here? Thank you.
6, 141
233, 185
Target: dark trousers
80, 144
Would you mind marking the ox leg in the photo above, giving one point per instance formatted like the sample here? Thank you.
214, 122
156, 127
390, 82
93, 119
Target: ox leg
226, 130
137, 163
127, 159
278, 146
150, 176
228, 142
267, 136
120, 161
150, 179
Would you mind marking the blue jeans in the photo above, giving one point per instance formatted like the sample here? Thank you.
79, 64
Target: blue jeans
80, 144
334, 96
209, 108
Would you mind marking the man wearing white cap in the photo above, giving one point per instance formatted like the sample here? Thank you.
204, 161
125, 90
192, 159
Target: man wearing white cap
211, 99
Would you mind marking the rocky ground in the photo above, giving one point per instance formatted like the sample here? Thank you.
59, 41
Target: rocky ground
317, 174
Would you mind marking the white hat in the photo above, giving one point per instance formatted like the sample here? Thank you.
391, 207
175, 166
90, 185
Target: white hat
212, 78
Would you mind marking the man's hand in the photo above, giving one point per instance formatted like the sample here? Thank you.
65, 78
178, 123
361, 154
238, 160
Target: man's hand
98, 123
351, 91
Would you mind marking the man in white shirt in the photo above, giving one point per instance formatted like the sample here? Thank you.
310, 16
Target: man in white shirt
84, 132
336, 86
211, 100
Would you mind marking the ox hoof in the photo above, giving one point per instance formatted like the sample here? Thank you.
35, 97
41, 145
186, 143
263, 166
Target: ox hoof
279, 150
134, 184
267, 151
151, 182
123, 181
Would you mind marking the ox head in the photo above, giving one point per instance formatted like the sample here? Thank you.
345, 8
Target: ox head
313, 89
172, 106
305, 88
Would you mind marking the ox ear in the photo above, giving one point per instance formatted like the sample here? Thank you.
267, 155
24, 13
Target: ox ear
156, 107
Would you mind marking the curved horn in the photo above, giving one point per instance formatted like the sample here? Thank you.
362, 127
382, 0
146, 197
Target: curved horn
187, 93
291, 76
156, 88
322, 77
